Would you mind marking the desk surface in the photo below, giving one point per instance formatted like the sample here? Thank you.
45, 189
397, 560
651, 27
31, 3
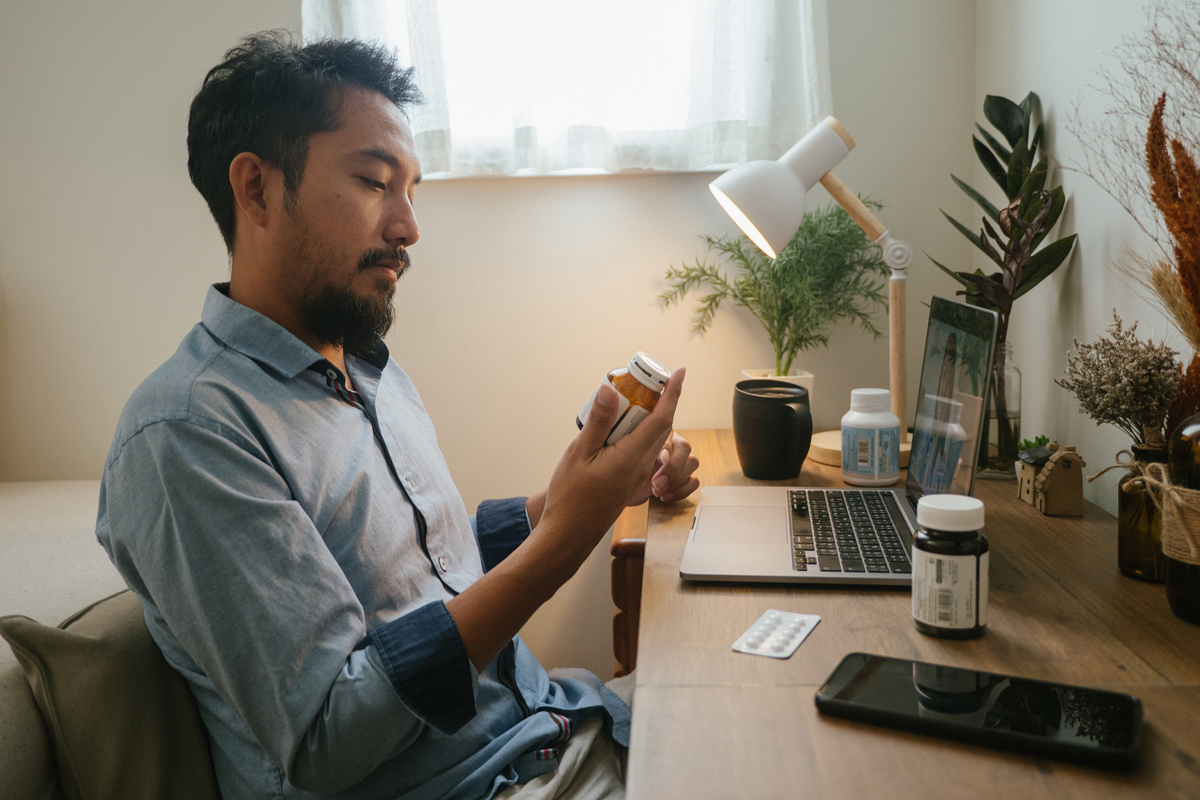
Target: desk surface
714, 723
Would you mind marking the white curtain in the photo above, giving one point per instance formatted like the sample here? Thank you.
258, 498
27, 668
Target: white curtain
535, 87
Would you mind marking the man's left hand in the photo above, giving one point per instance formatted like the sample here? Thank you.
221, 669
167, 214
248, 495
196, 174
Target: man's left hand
672, 478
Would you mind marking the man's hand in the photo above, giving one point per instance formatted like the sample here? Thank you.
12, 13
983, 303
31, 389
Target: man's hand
593, 483
590, 487
672, 479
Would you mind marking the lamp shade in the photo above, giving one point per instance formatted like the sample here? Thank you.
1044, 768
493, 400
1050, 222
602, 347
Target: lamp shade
765, 199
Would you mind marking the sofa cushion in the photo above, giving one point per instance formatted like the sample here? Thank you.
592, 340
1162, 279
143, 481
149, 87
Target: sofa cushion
122, 722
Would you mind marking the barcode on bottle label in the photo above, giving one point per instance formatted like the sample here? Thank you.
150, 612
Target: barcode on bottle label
871, 451
949, 591
945, 605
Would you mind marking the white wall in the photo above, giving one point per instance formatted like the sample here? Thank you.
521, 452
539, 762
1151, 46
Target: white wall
1055, 47
523, 292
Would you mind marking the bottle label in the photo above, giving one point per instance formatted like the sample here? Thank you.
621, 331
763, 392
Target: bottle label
628, 416
871, 451
934, 461
949, 591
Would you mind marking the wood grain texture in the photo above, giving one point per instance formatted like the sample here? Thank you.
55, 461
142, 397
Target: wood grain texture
708, 718
848, 200
897, 354
770, 742
628, 550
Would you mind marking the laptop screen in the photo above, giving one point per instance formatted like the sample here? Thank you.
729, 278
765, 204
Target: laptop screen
955, 376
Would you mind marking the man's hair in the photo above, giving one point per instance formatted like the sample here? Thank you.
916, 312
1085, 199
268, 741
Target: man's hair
268, 97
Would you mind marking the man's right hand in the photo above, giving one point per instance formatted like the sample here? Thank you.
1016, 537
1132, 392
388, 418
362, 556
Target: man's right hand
593, 483
590, 487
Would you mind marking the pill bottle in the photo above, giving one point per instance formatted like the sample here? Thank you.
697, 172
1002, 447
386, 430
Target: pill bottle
870, 439
950, 567
638, 386
937, 444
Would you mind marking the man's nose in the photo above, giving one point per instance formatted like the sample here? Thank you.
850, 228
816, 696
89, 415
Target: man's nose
402, 229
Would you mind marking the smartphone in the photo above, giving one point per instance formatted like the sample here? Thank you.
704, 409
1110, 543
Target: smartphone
1052, 720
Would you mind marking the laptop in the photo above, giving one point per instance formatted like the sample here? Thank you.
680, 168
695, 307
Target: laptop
783, 534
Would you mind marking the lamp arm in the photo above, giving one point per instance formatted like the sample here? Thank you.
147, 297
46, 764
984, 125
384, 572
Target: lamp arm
897, 255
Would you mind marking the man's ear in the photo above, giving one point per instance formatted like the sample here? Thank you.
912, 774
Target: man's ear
248, 175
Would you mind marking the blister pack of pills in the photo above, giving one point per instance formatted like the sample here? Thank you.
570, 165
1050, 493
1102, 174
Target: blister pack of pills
776, 634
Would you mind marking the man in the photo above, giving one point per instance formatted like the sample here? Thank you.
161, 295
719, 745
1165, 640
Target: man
276, 498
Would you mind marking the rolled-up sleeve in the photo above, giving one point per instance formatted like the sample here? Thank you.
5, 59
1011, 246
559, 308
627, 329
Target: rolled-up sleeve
500, 526
201, 523
427, 664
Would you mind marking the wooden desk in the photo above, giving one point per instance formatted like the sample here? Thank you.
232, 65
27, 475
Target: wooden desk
710, 722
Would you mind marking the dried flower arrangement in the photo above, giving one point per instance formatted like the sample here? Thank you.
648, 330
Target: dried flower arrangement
1124, 382
1154, 176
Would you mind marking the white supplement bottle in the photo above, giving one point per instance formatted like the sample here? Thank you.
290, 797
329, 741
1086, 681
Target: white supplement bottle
870, 439
938, 438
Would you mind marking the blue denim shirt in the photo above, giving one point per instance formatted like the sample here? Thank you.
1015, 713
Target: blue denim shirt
294, 552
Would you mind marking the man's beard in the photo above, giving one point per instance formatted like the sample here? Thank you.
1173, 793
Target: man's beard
339, 316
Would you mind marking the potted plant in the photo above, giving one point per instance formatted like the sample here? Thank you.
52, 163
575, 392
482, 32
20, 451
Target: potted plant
1131, 385
830, 271
1010, 236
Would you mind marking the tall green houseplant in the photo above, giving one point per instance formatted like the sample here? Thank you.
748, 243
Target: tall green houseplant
1012, 237
830, 271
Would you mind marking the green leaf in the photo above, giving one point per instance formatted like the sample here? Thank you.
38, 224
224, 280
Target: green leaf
1057, 201
1034, 183
991, 210
1037, 139
965, 231
1002, 152
991, 164
945, 269
1030, 106
1018, 169
1043, 263
1006, 117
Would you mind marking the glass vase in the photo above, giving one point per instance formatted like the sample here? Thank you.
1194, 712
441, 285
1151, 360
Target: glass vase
1183, 579
1139, 525
1001, 429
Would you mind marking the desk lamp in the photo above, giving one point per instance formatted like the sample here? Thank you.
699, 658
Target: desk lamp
766, 200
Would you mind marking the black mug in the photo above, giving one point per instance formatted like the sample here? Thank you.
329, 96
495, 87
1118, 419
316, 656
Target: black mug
772, 427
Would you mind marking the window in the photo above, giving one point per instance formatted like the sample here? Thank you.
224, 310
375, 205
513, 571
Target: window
535, 87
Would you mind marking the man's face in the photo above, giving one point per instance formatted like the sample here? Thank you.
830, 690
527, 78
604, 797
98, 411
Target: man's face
347, 229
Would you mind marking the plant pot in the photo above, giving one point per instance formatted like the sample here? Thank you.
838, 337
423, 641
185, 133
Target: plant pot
796, 376
1139, 525
1001, 427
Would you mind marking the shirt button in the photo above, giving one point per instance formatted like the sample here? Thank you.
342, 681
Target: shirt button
331, 374
442, 562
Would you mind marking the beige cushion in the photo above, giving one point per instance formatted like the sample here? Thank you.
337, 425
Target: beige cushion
122, 723
26, 763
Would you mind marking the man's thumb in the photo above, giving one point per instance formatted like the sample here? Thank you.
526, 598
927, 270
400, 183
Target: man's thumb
601, 417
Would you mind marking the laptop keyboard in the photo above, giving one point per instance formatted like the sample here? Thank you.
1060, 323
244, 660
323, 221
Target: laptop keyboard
845, 531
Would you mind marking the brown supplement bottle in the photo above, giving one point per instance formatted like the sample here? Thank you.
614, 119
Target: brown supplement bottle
950, 567
638, 386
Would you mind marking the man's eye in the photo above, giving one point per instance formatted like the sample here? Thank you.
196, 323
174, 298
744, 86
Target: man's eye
374, 184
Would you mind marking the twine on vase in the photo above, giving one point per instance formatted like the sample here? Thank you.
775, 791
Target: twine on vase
1138, 468
1180, 514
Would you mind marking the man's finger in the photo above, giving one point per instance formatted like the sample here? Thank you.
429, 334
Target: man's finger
601, 417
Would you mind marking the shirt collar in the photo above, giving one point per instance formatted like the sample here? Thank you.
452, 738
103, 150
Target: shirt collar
265, 340
253, 334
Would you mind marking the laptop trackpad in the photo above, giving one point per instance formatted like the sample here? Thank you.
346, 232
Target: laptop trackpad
742, 525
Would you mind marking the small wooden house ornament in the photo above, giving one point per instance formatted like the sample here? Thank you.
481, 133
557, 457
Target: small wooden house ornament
1051, 480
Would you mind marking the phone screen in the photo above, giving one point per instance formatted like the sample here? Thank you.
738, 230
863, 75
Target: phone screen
1038, 717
